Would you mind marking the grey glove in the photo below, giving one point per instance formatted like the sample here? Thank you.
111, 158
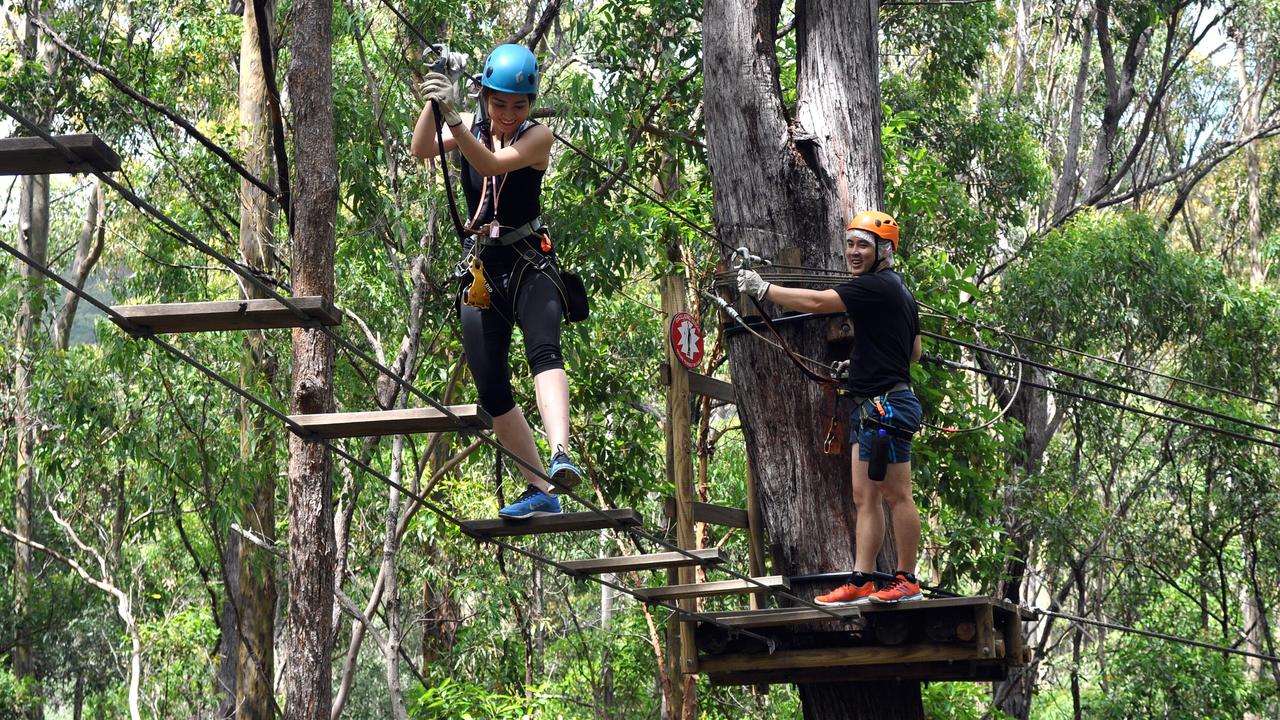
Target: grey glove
750, 282
439, 89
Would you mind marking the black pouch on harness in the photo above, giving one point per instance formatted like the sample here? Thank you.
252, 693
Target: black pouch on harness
576, 306
878, 465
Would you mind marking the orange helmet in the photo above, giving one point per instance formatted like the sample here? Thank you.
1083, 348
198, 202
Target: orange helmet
882, 225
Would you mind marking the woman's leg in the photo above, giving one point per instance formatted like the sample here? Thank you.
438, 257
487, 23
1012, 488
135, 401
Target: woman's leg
486, 338
539, 312
553, 405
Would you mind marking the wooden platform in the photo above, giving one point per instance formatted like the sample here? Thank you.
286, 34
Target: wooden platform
708, 589
394, 422
721, 515
563, 522
656, 561
968, 639
777, 617
35, 156
228, 315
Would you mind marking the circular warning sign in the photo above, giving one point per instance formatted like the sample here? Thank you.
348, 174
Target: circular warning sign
686, 339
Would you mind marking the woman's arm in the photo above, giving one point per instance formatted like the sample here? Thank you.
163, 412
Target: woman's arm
533, 149
424, 145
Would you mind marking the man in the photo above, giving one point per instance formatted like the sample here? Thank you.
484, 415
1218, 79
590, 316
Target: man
886, 340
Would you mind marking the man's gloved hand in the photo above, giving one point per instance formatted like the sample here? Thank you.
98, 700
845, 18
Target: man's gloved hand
439, 89
840, 370
750, 282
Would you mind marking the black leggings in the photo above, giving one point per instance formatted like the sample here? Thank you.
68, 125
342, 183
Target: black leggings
486, 334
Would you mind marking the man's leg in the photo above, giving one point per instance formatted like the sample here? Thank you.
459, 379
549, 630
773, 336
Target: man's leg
896, 490
870, 530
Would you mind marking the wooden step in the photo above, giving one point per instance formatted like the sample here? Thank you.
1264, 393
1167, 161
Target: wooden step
394, 422
722, 515
842, 657
655, 561
774, 617
228, 315
719, 587
35, 156
563, 522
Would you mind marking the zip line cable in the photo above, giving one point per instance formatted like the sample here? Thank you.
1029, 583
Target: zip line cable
306, 434
147, 102
1109, 385
1103, 401
1109, 361
1157, 635
309, 323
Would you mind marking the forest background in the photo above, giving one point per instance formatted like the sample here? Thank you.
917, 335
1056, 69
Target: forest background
1092, 183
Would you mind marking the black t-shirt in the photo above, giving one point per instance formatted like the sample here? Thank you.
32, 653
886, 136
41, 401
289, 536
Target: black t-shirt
886, 322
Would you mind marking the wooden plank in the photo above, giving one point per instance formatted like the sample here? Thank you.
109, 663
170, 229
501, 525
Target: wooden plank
656, 561
930, 604
939, 671
228, 315
708, 589
721, 515
35, 156
394, 422
1013, 639
562, 522
703, 385
839, 657
775, 617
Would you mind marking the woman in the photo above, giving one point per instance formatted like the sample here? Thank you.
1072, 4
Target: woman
504, 159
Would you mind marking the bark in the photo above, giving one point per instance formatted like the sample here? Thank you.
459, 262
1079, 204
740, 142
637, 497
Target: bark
255, 595
88, 250
390, 548
1251, 109
1067, 179
33, 240
311, 537
784, 188
229, 642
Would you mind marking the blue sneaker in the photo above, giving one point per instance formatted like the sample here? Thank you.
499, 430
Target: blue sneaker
532, 503
563, 472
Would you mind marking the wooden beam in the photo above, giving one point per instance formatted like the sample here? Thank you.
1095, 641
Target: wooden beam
35, 156
721, 515
562, 522
228, 315
931, 604
841, 657
675, 300
707, 589
940, 671
774, 617
656, 561
705, 385
394, 422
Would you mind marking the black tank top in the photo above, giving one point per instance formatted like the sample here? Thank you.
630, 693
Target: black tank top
519, 193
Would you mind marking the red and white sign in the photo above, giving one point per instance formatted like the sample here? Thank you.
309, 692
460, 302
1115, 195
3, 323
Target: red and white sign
686, 339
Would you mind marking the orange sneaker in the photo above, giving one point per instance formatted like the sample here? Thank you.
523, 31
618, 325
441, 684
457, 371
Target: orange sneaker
905, 586
848, 594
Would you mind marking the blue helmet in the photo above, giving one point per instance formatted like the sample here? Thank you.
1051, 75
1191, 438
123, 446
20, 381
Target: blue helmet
511, 69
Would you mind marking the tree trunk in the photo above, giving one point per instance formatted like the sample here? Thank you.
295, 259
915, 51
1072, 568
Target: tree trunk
255, 595
33, 240
88, 250
311, 539
785, 189
1119, 83
1067, 178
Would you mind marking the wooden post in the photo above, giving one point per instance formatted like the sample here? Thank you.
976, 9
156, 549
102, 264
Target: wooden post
755, 535
675, 300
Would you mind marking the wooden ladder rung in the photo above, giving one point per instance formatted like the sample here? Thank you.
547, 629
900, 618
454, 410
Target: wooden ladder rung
774, 617
394, 422
227, 315
562, 522
35, 156
655, 561
719, 587
721, 515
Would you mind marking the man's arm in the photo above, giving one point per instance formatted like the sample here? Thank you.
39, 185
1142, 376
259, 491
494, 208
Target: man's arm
802, 300
916, 350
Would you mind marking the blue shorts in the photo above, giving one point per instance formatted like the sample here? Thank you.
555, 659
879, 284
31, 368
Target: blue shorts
905, 415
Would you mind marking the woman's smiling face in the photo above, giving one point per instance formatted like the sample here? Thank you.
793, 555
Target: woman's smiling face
507, 111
